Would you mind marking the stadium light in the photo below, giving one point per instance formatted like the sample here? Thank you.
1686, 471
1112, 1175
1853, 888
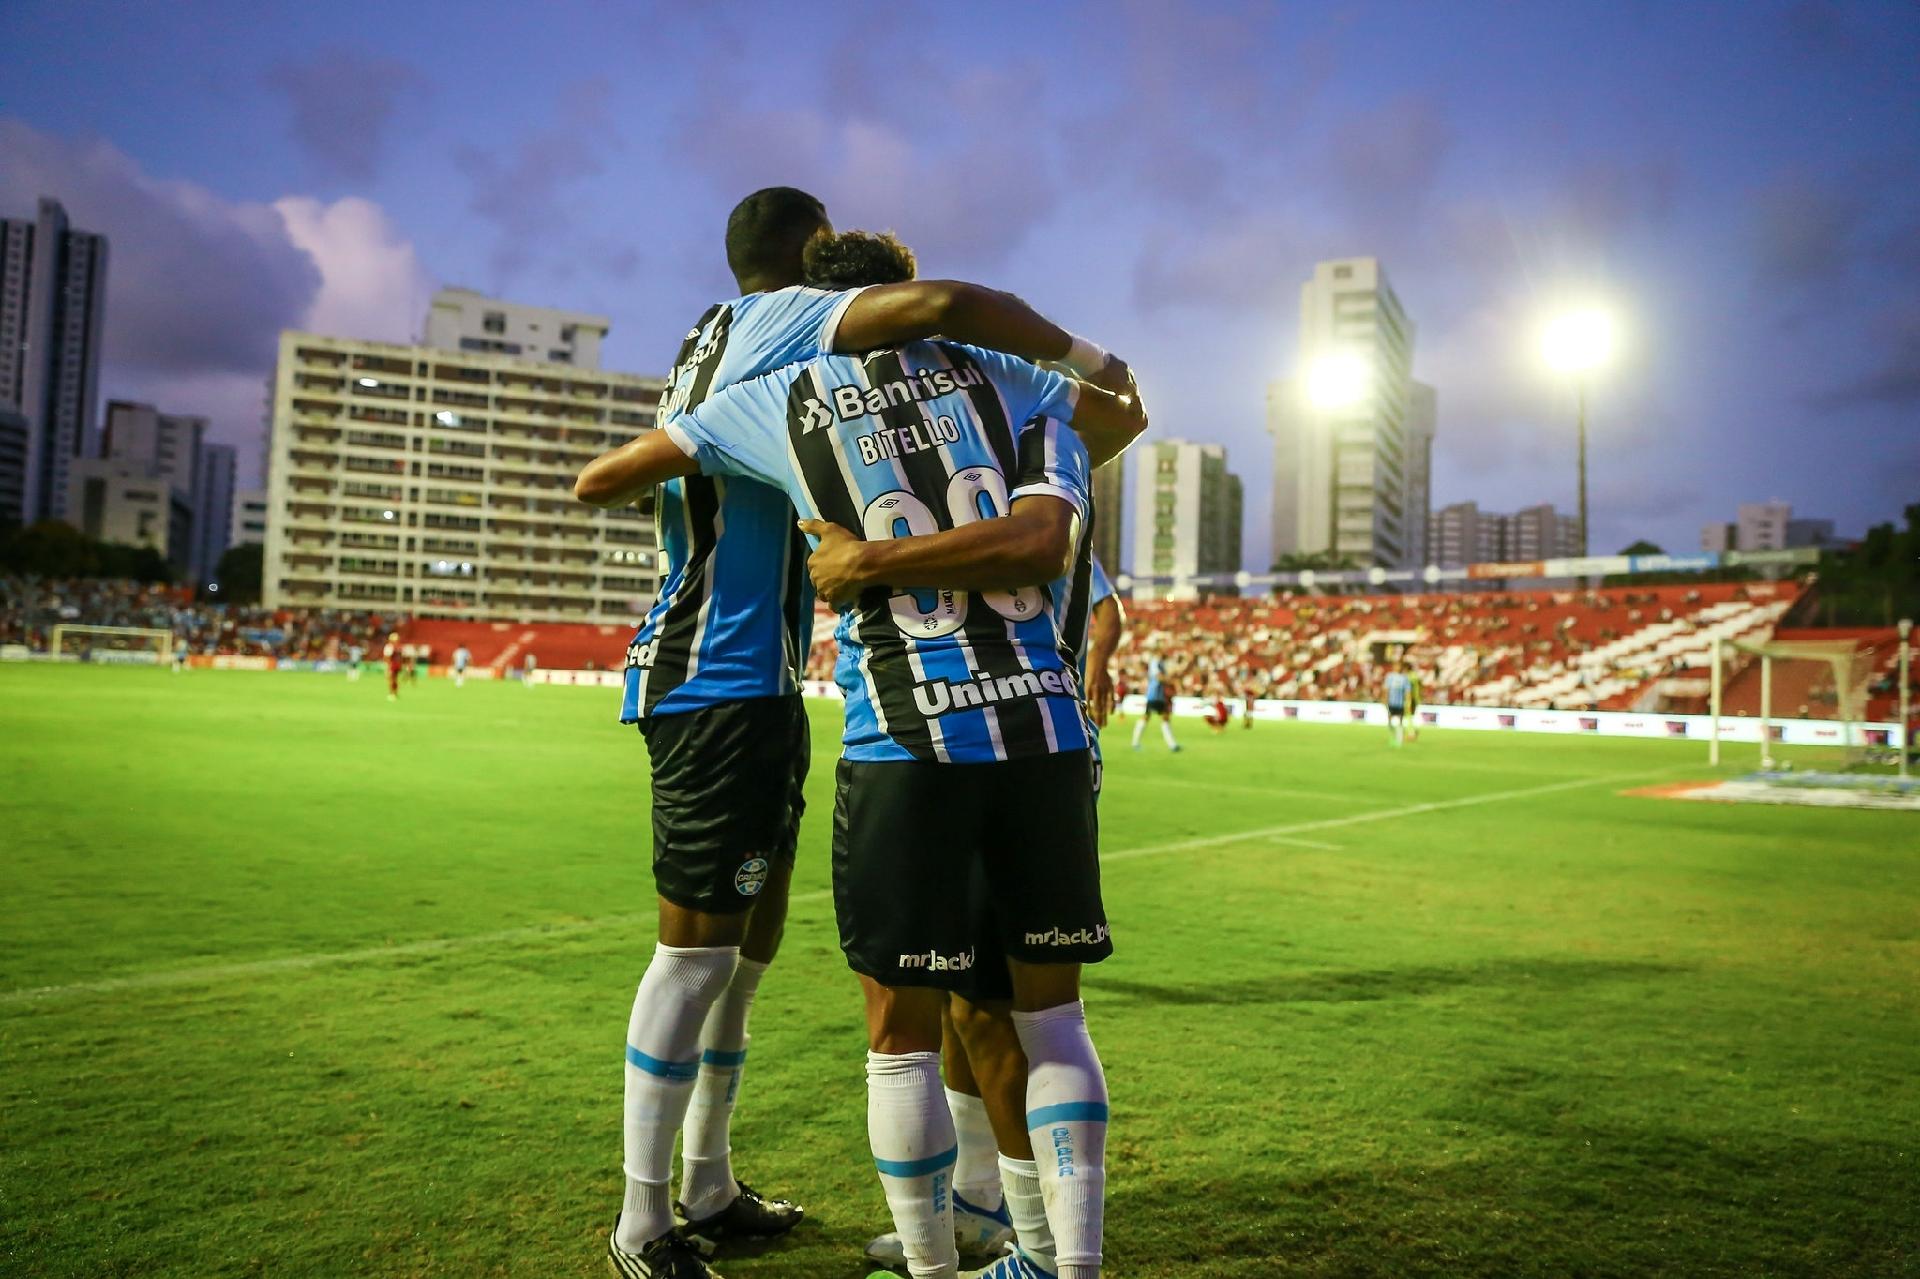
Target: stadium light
1338, 380
1576, 343
367, 381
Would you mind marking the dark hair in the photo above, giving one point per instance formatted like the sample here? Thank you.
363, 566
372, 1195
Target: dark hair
855, 258
767, 231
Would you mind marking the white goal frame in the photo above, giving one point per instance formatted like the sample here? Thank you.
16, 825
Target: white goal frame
1849, 691
163, 647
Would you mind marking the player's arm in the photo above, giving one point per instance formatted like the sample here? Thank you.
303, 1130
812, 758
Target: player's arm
1108, 624
621, 476
1106, 423
1032, 543
890, 314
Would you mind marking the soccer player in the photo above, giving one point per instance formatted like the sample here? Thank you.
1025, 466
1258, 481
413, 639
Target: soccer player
1159, 702
462, 658
712, 679
957, 661
394, 661
996, 1184
356, 653
1394, 694
1218, 716
1413, 703
528, 665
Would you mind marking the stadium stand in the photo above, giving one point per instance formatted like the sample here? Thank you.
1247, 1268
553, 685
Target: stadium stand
1605, 649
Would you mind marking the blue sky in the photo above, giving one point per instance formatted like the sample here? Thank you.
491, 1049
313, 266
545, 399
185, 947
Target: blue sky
1739, 177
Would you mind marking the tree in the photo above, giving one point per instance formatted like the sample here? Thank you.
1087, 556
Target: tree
1877, 581
54, 549
1642, 547
239, 574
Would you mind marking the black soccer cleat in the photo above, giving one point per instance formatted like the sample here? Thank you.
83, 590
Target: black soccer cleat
668, 1257
748, 1217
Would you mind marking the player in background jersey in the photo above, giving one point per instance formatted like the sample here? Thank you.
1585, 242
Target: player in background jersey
393, 660
462, 658
1394, 693
1159, 702
1413, 703
958, 660
713, 681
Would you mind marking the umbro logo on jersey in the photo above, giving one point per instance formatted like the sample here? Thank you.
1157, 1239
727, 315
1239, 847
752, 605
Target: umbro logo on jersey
935, 962
937, 697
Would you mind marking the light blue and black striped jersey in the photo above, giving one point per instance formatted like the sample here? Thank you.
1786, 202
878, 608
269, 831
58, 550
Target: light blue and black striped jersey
1156, 680
1397, 685
1090, 586
735, 610
909, 441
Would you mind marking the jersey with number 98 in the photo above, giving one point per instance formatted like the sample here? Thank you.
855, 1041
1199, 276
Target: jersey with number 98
912, 441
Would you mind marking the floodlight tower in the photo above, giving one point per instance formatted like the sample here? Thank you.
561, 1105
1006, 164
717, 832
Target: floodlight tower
1906, 649
1576, 343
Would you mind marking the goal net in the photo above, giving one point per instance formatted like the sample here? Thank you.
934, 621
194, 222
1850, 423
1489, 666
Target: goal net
1794, 680
130, 644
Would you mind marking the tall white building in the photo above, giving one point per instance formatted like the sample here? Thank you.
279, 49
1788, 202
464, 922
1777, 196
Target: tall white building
213, 507
249, 527
1352, 454
53, 283
1462, 534
462, 320
1187, 509
439, 481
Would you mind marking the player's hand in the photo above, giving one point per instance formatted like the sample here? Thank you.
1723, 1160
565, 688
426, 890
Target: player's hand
837, 564
1100, 697
1116, 377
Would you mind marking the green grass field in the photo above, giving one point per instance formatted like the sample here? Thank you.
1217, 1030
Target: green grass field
296, 982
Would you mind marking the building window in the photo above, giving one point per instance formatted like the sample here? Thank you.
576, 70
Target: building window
495, 322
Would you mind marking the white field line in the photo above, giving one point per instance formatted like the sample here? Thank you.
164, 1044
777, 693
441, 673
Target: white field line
1278, 792
508, 936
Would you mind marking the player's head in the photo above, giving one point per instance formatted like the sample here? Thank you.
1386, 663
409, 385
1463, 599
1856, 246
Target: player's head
766, 234
853, 259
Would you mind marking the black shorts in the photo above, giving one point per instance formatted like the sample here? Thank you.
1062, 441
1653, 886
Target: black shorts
990, 978
1159, 706
933, 861
727, 798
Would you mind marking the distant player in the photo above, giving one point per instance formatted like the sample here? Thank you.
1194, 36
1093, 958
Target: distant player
395, 660
1413, 703
356, 654
416, 658
1159, 702
1398, 689
179, 657
1246, 711
461, 660
1218, 716
528, 665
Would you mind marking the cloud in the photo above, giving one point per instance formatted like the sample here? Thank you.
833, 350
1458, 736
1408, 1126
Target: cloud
1895, 381
1256, 260
523, 190
372, 283
343, 102
1386, 160
1803, 234
194, 282
199, 287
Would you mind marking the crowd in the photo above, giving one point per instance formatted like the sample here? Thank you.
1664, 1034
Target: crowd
31, 607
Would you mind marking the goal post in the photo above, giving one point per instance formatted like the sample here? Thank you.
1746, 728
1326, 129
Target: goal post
1842, 659
68, 640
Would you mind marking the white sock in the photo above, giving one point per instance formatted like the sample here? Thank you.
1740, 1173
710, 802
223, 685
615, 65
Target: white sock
911, 1133
1139, 727
1020, 1180
1067, 1115
1166, 731
976, 1170
706, 1183
663, 1057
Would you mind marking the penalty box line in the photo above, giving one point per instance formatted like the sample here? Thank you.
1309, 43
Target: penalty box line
211, 974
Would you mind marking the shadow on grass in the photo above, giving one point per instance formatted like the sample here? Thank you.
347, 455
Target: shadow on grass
1361, 985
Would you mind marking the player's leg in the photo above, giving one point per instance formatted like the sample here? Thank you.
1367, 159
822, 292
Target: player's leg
992, 1049
742, 790
1048, 887
1140, 727
704, 816
905, 840
1166, 728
